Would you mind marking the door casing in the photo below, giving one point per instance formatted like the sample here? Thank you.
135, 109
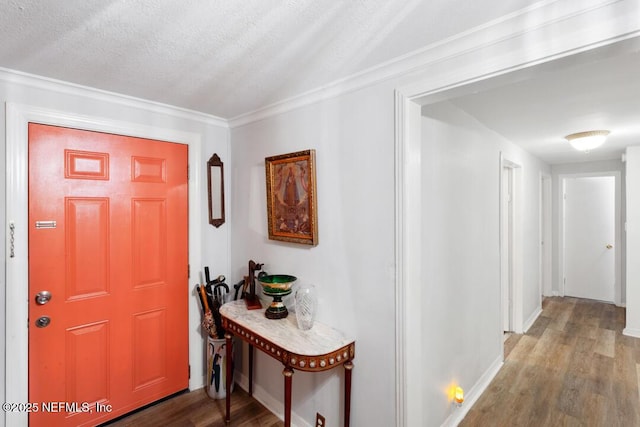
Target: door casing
511, 251
17, 119
506, 247
545, 235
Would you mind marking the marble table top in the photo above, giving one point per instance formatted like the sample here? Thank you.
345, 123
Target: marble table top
320, 339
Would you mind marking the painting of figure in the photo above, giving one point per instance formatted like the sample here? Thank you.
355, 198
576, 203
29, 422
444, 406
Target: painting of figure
291, 197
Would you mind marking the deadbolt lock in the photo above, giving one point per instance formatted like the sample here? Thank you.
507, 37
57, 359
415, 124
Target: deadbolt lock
43, 321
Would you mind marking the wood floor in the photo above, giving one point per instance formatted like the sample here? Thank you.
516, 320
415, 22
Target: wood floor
197, 409
572, 368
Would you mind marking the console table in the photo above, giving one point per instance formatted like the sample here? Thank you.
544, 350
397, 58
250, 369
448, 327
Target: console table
318, 349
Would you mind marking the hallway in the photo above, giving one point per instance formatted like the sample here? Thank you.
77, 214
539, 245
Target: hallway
573, 367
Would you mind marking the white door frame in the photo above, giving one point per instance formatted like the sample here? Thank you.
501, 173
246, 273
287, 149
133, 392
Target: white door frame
546, 186
506, 246
512, 253
17, 119
618, 227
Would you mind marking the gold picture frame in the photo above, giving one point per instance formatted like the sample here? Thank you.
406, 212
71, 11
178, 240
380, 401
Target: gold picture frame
291, 197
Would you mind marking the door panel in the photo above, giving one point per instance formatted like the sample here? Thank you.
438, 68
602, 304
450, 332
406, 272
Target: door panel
87, 247
149, 331
589, 226
87, 381
149, 239
116, 266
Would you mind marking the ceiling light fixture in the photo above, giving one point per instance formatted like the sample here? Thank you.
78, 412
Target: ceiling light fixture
587, 141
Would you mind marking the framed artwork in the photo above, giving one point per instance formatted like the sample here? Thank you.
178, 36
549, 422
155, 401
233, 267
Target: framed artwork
291, 197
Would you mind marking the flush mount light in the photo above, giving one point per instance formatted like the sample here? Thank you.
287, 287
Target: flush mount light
587, 141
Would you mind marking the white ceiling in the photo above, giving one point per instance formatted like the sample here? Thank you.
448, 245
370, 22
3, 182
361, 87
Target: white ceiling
599, 90
224, 57
231, 57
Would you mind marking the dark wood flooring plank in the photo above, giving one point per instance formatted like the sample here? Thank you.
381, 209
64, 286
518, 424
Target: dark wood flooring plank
196, 409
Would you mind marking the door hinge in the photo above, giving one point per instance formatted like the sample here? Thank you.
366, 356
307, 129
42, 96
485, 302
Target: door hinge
188, 271
189, 371
188, 172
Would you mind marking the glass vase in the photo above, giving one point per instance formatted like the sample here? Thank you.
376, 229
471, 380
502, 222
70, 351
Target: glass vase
306, 303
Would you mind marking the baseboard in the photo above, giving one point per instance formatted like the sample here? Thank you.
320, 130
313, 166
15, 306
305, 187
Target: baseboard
531, 319
472, 395
273, 405
631, 332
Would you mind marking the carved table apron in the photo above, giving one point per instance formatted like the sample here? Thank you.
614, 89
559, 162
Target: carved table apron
318, 349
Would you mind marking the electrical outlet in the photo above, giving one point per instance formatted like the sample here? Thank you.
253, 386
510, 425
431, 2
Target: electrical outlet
319, 420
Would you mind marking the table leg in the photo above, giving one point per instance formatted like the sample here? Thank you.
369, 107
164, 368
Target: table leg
288, 373
250, 370
348, 367
229, 375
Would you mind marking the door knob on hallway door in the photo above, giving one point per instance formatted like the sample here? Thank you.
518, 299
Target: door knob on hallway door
609, 246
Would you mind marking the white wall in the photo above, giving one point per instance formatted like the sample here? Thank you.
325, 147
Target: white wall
633, 241
583, 169
353, 264
213, 135
460, 245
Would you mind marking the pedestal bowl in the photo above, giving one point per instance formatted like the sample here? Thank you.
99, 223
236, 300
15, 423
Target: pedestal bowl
277, 286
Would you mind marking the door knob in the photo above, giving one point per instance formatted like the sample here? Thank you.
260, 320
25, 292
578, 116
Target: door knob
43, 297
43, 322
609, 246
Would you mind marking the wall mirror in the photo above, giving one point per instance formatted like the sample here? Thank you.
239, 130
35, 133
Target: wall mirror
215, 181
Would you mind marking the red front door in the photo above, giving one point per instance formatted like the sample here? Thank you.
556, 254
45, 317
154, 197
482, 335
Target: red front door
108, 241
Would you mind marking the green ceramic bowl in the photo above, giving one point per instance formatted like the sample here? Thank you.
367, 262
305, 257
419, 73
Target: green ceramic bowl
277, 283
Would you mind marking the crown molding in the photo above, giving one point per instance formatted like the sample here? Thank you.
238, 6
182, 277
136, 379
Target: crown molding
66, 88
538, 24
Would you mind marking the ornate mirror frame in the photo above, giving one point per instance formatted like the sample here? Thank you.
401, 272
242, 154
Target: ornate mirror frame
215, 183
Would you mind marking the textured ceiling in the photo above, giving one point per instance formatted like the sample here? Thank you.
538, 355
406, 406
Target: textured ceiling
224, 57
232, 57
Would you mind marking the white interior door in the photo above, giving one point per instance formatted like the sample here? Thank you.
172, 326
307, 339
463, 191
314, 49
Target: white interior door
589, 227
